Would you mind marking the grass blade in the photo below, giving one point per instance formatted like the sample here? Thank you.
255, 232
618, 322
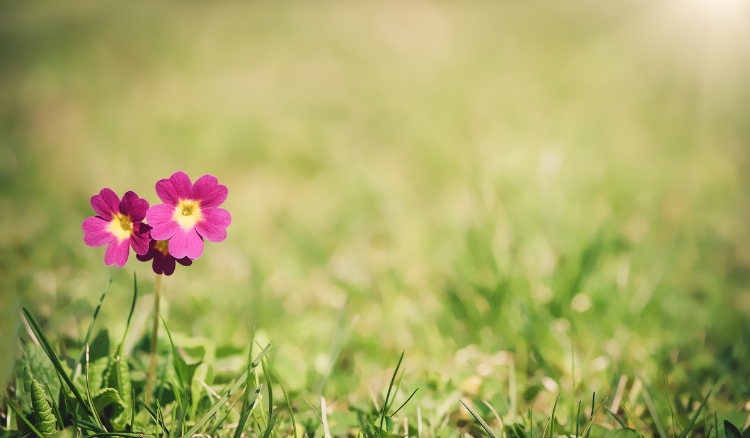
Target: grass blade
270, 395
249, 363
552, 419
160, 418
652, 410
218, 424
388, 394
627, 414
152, 413
271, 423
671, 411
479, 419
324, 418
44, 343
587, 428
89, 426
404, 404
342, 334
616, 417
694, 418
398, 387
175, 356
116, 434
531, 418
286, 397
88, 391
132, 410
247, 405
91, 328
132, 308
21, 416
215, 407
246, 410
716, 425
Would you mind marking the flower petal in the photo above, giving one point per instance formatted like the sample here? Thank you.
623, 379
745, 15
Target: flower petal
142, 228
95, 231
141, 238
146, 257
185, 244
160, 214
166, 192
160, 218
174, 188
214, 224
133, 206
117, 253
185, 261
181, 184
106, 203
151, 253
167, 265
165, 231
209, 192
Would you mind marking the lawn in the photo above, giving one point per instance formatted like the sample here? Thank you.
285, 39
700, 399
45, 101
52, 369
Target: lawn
528, 200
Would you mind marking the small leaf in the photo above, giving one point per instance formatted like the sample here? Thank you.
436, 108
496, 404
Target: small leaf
99, 347
388, 424
105, 397
97, 371
40, 368
119, 378
68, 432
731, 431
23, 388
45, 419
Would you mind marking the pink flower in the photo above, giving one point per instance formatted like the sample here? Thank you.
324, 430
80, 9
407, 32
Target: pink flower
189, 214
163, 262
118, 225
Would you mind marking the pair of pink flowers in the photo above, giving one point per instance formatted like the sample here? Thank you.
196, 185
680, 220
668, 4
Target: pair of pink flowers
175, 230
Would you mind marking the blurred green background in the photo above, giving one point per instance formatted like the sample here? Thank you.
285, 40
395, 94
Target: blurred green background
479, 184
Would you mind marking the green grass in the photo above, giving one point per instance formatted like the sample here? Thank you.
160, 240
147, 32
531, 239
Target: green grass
528, 200
181, 408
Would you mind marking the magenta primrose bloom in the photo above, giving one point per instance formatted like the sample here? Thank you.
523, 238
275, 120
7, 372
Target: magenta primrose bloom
189, 214
118, 225
163, 262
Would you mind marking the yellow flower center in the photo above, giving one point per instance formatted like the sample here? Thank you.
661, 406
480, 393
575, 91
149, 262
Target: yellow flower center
162, 246
121, 226
187, 213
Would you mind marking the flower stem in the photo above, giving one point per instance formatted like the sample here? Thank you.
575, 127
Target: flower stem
154, 333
